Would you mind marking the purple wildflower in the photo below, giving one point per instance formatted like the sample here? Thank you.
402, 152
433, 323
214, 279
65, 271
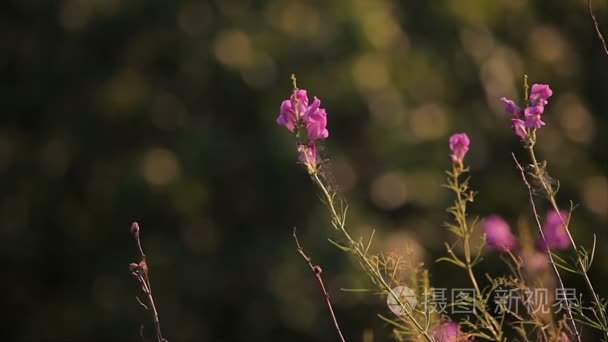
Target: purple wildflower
533, 116
517, 122
556, 235
297, 111
511, 107
287, 116
315, 119
459, 145
308, 154
539, 94
447, 332
519, 127
499, 234
293, 109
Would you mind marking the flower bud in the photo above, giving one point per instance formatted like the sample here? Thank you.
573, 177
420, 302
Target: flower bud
135, 229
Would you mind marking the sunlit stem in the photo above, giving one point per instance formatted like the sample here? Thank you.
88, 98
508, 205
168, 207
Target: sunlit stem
526, 88
461, 206
540, 175
294, 81
339, 222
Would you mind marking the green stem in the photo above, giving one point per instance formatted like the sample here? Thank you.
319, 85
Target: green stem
339, 222
552, 200
461, 205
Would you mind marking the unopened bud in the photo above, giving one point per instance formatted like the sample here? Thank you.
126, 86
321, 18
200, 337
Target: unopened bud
317, 269
135, 229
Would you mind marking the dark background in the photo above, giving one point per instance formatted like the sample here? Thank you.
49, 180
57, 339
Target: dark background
164, 112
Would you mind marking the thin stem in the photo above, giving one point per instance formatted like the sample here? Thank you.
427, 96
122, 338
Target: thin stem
461, 206
317, 271
542, 235
597, 27
140, 272
526, 88
551, 196
339, 222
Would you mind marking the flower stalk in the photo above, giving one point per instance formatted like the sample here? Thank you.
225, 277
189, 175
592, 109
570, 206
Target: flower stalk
308, 121
582, 267
464, 232
338, 220
525, 126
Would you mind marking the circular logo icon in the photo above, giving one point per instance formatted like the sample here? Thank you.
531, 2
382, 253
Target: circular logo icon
401, 299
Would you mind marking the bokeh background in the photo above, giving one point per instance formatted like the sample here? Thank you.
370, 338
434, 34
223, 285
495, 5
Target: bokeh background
164, 112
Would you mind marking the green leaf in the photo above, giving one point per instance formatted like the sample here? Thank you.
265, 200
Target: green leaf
343, 248
450, 260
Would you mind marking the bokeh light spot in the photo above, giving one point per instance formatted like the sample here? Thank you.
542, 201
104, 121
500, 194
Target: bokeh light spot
370, 73
160, 166
575, 118
233, 48
546, 44
595, 195
389, 191
428, 122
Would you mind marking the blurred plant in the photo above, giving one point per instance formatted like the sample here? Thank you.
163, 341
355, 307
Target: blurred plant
528, 267
498, 234
140, 272
447, 332
556, 233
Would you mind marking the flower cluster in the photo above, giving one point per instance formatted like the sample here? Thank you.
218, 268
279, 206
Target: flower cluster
298, 115
531, 116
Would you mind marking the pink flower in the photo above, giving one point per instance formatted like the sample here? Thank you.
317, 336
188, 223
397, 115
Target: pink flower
287, 116
499, 234
447, 332
519, 127
308, 154
296, 111
459, 145
511, 107
533, 116
293, 109
556, 236
315, 119
539, 94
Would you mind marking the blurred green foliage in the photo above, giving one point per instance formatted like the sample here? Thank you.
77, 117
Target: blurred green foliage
163, 112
